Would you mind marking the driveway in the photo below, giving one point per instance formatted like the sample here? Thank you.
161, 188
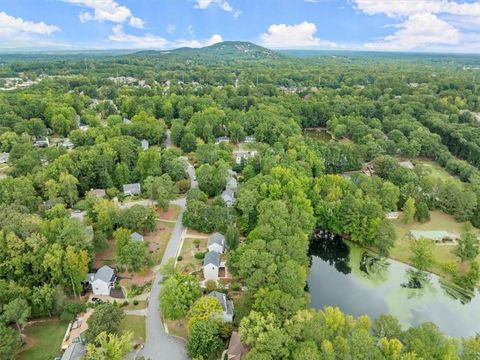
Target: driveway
159, 345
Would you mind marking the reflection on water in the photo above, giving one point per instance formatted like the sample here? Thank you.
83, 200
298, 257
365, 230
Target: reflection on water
360, 282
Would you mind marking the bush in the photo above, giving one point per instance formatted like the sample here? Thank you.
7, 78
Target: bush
183, 185
234, 286
135, 302
179, 258
200, 255
210, 285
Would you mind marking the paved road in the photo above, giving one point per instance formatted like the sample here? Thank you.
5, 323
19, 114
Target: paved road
159, 345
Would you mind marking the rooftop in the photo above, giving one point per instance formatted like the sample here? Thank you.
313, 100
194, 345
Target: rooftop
212, 257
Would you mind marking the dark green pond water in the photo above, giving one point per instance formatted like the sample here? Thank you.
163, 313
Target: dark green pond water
318, 134
359, 282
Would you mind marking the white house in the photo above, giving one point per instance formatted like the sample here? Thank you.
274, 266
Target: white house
243, 155
4, 156
211, 266
228, 196
227, 305
102, 281
216, 243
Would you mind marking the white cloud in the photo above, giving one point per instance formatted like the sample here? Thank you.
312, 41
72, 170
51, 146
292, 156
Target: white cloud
147, 41
171, 28
294, 36
426, 24
150, 41
10, 25
222, 4
394, 8
419, 31
107, 10
194, 43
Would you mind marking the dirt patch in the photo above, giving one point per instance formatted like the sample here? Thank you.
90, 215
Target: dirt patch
28, 342
142, 277
166, 215
178, 327
107, 256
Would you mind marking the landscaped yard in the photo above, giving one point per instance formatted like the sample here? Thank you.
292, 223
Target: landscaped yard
135, 324
435, 169
44, 340
142, 304
158, 240
190, 247
442, 253
178, 327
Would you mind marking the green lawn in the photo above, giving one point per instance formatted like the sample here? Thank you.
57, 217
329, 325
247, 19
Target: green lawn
142, 304
442, 253
46, 340
188, 251
434, 169
135, 324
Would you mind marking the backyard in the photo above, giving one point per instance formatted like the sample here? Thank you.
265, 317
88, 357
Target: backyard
44, 340
442, 253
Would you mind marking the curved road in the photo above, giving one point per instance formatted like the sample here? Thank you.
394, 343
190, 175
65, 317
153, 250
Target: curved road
159, 345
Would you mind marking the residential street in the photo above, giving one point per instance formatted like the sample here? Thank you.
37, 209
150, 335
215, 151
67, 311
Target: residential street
159, 345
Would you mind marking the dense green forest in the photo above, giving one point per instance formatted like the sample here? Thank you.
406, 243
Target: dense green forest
380, 110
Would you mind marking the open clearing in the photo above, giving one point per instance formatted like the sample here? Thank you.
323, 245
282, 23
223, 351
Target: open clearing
45, 338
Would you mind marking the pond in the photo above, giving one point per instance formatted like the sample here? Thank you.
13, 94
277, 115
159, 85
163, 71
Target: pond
318, 134
360, 282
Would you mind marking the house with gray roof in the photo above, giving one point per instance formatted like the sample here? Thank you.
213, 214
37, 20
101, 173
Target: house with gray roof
144, 144
98, 193
227, 305
136, 237
222, 139
216, 243
131, 189
211, 266
102, 281
228, 196
4, 156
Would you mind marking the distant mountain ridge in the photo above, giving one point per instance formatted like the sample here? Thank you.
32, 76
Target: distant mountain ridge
241, 50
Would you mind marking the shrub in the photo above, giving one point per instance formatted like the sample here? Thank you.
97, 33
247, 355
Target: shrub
200, 255
135, 302
234, 286
125, 303
210, 285
179, 258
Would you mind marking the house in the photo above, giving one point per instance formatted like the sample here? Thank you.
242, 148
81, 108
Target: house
243, 155
4, 157
75, 334
136, 237
435, 235
75, 351
41, 142
144, 144
66, 143
216, 243
235, 347
131, 189
98, 193
222, 139
250, 139
228, 196
392, 215
211, 265
227, 305
102, 281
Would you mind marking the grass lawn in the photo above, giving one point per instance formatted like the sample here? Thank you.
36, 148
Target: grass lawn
142, 304
158, 240
135, 324
435, 169
442, 253
178, 327
46, 339
188, 251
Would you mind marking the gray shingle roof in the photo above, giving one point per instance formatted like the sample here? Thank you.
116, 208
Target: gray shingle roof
105, 273
227, 305
132, 188
136, 237
216, 238
212, 257
74, 352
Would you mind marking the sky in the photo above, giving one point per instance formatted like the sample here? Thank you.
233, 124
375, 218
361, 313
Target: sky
379, 25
